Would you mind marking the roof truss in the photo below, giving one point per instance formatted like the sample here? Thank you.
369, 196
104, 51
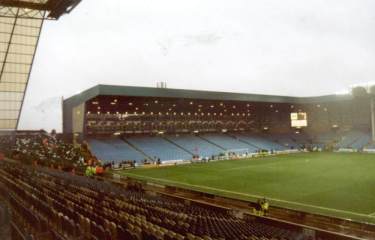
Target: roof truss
36, 8
21, 22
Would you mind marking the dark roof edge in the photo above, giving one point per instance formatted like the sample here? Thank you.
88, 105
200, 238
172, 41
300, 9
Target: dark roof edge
135, 91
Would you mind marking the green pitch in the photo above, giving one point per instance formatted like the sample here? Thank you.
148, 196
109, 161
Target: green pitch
337, 184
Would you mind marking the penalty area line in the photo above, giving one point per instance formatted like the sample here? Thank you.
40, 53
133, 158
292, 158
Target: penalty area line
252, 195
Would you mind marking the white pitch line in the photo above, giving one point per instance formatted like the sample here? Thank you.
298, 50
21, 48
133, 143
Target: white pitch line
254, 196
372, 214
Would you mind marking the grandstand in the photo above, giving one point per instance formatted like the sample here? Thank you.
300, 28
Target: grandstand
175, 125
143, 163
185, 126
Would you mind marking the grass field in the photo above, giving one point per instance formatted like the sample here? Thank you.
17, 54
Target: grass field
338, 184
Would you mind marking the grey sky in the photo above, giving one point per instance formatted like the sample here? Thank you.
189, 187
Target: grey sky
289, 47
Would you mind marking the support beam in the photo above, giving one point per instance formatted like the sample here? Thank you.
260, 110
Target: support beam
24, 4
28, 76
33, 8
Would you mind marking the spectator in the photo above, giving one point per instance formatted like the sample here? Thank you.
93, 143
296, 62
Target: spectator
45, 150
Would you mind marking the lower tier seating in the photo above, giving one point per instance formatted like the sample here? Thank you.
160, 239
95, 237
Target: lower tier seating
159, 148
230, 143
196, 145
185, 146
354, 139
115, 150
260, 143
64, 206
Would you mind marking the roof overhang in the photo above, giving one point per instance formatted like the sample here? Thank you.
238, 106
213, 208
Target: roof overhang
131, 91
32, 8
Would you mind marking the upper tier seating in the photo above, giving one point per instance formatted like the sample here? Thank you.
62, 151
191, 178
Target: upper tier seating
229, 143
196, 145
113, 149
158, 147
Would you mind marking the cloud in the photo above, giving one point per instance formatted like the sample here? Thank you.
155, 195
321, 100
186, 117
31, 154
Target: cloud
45, 115
189, 40
201, 39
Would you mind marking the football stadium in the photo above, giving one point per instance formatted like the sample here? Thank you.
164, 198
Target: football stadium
159, 163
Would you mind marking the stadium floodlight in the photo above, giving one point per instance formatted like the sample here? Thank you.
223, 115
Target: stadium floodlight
21, 23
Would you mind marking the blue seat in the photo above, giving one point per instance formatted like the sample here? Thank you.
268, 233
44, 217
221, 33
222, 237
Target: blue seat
158, 147
261, 143
114, 149
229, 143
353, 139
363, 140
196, 145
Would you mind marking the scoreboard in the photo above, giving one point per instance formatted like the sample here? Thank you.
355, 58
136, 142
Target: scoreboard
298, 120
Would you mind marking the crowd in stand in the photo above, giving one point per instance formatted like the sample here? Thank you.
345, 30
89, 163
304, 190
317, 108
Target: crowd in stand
6, 142
59, 205
41, 148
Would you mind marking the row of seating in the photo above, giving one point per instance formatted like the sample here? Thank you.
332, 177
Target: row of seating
230, 143
353, 139
114, 150
66, 206
196, 145
260, 142
4, 221
157, 147
179, 147
185, 146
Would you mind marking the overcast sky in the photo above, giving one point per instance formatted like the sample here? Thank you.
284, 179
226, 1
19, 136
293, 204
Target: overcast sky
288, 47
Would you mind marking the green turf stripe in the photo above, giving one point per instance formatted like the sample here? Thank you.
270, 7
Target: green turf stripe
252, 196
333, 184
